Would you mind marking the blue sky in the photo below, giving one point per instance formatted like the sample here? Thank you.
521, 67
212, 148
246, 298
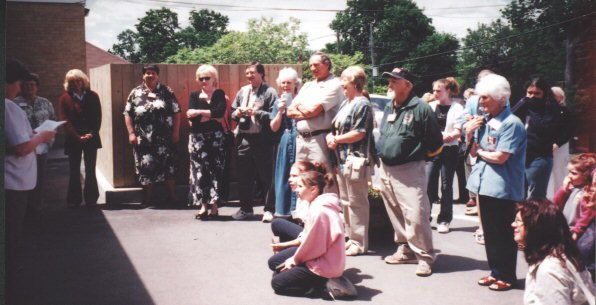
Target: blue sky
107, 18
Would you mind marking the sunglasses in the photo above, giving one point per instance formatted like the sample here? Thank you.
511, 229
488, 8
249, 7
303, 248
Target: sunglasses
206, 78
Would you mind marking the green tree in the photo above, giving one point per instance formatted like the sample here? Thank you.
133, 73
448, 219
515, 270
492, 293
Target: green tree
158, 35
127, 46
400, 31
264, 41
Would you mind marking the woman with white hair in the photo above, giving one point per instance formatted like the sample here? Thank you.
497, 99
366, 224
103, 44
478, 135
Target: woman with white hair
206, 142
81, 109
560, 150
288, 83
497, 177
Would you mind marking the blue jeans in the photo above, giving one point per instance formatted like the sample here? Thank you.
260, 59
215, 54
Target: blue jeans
285, 199
445, 163
537, 176
585, 244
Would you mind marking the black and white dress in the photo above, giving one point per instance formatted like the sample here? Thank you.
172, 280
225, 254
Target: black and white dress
206, 149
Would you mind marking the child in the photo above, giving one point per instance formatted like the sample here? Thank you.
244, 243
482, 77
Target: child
576, 200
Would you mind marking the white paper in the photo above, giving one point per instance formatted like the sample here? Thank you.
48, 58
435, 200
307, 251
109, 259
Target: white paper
49, 125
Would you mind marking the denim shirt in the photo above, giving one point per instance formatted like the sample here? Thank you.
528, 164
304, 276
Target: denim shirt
358, 116
503, 181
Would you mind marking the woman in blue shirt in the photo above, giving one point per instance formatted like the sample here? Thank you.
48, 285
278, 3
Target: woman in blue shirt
497, 177
285, 201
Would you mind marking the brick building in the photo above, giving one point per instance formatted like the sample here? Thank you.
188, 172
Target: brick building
49, 37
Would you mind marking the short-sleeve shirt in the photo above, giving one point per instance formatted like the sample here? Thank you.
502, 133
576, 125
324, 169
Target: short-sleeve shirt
37, 113
355, 115
329, 94
503, 181
20, 173
409, 132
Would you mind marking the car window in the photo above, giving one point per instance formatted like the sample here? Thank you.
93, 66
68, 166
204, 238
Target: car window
379, 103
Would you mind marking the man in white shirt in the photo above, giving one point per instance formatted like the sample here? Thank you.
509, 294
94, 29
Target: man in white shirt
20, 166
314, 108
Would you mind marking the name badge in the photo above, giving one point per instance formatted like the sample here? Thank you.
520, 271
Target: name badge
23, 104
408, 118
494, 124
392, 117
152, 95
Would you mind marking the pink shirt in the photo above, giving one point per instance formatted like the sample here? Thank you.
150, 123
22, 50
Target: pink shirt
322, 246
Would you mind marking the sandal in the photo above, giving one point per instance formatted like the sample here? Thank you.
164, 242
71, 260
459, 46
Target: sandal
214, 211
202, 214
487, 281
500, 286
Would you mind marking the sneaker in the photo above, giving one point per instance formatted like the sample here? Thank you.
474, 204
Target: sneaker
354, 250
267, 217
443, 227
471, 203
423, 269
473, 211
479, 238
241, 215
340, 288
400, 257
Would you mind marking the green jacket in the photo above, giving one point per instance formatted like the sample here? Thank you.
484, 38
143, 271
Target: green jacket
412, 135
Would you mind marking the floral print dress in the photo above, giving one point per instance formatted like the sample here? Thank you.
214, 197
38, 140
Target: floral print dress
153, 113
207, 150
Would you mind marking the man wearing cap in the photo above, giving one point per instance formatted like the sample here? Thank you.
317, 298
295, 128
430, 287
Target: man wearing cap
314, 108
409, 134
20, 163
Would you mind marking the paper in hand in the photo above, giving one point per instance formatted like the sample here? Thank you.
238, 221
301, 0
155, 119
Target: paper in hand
49, 125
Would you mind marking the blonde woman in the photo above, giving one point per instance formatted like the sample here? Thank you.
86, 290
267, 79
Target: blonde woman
352, 142
206, 142
81, 109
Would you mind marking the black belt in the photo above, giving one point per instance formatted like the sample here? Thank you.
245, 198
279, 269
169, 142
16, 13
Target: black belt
310, 134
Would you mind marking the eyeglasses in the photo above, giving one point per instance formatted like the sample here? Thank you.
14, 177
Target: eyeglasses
206, 78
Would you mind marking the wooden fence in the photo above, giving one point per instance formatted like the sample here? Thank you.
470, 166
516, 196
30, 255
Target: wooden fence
113, 83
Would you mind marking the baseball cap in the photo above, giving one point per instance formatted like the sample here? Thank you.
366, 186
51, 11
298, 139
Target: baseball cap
400, 73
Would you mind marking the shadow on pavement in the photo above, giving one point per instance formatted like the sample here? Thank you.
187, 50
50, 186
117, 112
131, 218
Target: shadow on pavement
364, 293
73, 257
446, 263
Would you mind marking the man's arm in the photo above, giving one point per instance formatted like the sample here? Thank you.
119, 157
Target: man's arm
302, 112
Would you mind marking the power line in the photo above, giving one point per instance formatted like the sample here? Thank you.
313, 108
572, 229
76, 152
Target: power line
488, 42
262, 8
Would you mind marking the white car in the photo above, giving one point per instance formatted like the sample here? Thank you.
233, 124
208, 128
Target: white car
378, 103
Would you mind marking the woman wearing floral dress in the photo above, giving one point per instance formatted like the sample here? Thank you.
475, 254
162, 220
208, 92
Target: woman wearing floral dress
206, 142
285, 201
152, 117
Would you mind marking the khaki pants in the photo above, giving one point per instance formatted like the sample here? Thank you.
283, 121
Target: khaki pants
313, 149
353, 195
404, 193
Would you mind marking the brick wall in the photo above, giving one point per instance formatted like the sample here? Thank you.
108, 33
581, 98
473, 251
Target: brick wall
585, 94
49, 38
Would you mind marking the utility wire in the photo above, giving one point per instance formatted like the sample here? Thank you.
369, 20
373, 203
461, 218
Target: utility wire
488, 42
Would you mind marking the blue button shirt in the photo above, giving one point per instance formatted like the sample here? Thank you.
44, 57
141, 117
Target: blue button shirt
503, 181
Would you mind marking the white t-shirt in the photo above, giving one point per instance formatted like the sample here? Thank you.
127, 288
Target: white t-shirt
20, 173
329, 93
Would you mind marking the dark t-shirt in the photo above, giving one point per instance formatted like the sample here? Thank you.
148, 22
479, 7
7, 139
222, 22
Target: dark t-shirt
441, 114
217, 107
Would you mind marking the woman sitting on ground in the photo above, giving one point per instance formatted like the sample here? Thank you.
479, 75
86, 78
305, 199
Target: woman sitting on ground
303, 265
556, 274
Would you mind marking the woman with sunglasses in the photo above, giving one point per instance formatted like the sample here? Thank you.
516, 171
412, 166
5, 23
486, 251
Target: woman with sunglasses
206, 143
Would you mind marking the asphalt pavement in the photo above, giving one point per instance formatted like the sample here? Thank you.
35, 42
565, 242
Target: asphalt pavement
121, 254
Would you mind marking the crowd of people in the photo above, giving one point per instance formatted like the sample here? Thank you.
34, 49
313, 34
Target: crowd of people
310, 151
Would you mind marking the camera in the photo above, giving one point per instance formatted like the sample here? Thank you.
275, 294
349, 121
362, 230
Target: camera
244, 122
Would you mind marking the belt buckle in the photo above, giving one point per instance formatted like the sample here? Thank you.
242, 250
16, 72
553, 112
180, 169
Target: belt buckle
307, 135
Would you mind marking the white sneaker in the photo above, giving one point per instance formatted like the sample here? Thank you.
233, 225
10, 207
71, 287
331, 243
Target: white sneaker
423, 269
267, 217
241, 215
443, 227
